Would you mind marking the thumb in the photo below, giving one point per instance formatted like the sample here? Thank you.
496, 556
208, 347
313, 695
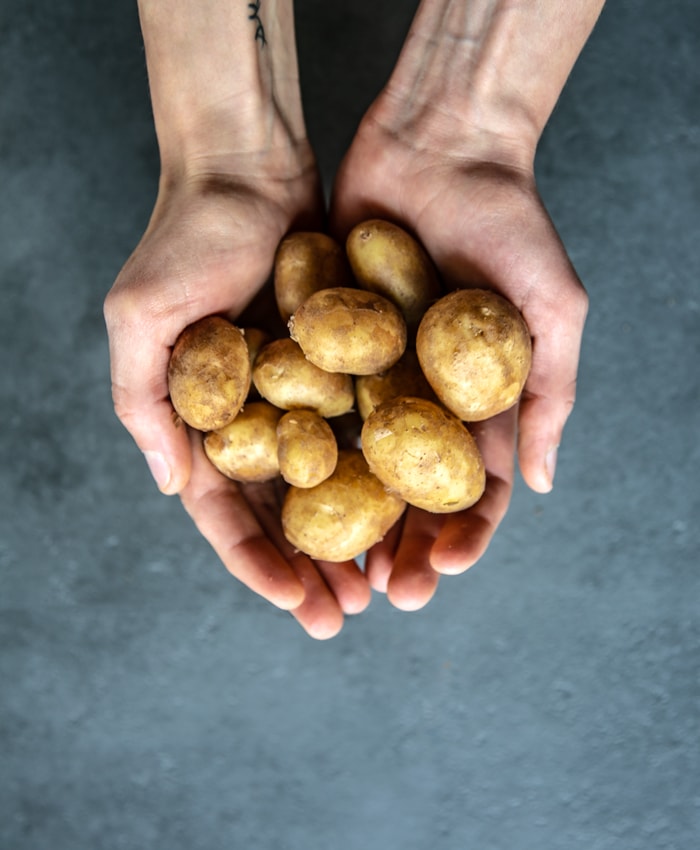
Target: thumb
139, 367
550, 391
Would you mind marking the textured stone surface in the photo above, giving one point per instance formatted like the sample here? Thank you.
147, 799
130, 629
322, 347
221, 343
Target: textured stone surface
548, 699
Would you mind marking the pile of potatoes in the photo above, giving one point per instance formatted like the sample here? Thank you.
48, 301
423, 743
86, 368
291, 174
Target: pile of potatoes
371, 334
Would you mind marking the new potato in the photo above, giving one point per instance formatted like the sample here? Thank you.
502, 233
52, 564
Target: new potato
350, 331
255, 339
209, 373
246, 449
404, 378
475, 350
343, 516
284, 376
307, 450
304, 263
387, 260
424, 454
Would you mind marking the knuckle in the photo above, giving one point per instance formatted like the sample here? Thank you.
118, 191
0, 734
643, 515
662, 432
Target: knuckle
125, 306
579, 303
123, 409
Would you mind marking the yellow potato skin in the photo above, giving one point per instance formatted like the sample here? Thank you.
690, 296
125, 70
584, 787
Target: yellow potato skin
255, 339
209, 373
287, 379
424, 454
306, 448
350, 331
387, 260
246, 449
304, 263
343, 516
404, 378
475, 350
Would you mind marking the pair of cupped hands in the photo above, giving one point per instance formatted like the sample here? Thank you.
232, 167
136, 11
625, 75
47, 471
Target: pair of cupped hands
209, 249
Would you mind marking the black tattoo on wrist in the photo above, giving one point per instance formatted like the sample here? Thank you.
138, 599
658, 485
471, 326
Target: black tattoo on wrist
255, 16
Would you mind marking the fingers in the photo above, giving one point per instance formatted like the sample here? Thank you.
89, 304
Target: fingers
320, 614
331, 589
242, 526
222, 515
465, 536
347, 584
379, 560
413, 581
550, 390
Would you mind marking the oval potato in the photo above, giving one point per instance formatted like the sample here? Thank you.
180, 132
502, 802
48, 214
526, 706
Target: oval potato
475, 350
424, 454
404, 378
304, 263
306, 448
284, 377
349, 330
209, 373
387, 260
343, 516
246, 449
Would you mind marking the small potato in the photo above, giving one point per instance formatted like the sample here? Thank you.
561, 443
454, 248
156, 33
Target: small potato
343, 516
255, 339
288, 380
246, 450
387, 260
475, 350
209, 373
305, 263
403, 378
350, 331
306, 448
424, 454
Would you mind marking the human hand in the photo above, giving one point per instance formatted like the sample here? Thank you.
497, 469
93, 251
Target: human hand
483, 222
209, 249
237, 173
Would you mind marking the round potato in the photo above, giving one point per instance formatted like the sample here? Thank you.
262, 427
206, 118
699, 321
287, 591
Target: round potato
305, 263
387, 260
343, 516
404, 378
424, 454
350, 331
209, 373
284, 377
475, 350
246, 449
306, 448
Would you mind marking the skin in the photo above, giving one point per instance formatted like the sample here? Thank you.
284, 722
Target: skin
237, 173
447, 150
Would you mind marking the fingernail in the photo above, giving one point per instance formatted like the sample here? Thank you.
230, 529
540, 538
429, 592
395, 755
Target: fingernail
550, 464
160, 469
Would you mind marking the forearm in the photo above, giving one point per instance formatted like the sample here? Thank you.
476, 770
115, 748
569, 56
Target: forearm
490, 67
224, 80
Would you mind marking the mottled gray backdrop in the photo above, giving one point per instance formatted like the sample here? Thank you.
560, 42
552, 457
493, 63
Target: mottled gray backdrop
547, 700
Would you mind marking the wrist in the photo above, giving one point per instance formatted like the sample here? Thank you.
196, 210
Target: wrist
224, 86
480, 79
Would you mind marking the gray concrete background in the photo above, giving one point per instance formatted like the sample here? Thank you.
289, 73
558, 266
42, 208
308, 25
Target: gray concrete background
547, 700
